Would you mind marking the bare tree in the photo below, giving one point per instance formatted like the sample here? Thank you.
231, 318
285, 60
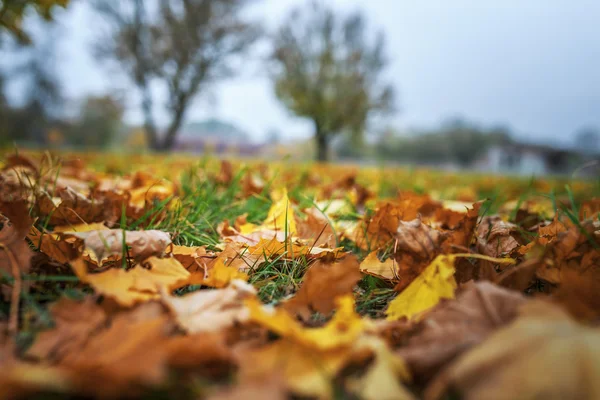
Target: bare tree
183, 44
328, 70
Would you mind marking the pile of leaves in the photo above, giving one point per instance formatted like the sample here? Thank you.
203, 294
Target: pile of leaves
236, 282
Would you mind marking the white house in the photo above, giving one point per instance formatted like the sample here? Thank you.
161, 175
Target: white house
527, 159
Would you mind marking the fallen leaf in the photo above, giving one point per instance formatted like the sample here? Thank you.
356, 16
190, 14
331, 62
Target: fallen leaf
494, 237
140, 244
127, 355
436, 282
218, 276
386, 269
15, 254
543, 354
455, 326
58, 248
135, 285
280, 217
340, 331
323, 283
316, 229
211, 310
74, 324
381, 381
416, 246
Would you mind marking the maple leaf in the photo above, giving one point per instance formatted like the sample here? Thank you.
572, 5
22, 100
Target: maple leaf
304, 371
189, 257
140, 244
15, 254
138, 284
381, 381
323, 283
59, 248
436, 282
494, 237
316, 229
119, 356
69, 207
280, 217
74, 323
342, 330
543, 339
373, 266
455, 326
218, 276
211, 310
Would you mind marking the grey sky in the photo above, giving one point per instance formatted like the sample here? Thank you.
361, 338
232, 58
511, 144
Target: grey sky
531, 64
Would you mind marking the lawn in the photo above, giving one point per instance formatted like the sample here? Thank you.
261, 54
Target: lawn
175, 276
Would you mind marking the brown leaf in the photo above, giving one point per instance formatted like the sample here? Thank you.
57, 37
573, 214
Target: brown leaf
316, 230
70, 208
138, 284
75, 322
457, 325
272, 388
323, 283
128, 354
543, 355
15, 254
578, 291
57, 247
416, 246
140, 244
494, 237
211, 310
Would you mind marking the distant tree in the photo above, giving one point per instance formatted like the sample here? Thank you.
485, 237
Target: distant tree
183, 44
40, 101
98, 123
326, 69
587, 140
12, 13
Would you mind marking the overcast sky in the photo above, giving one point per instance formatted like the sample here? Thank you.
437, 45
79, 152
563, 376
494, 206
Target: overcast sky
533, 65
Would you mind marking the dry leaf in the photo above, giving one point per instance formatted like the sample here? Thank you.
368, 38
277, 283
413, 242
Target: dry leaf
218, 276
280, 217
385, 270
345, 326
455, 326
323, 283
543, 355
137, 284
381, 381
75, 322
436, 282
211, 310
316, 230
140, 244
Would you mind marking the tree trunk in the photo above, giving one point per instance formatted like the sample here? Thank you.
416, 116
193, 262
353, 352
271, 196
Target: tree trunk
322, 142
149, 125
173, 129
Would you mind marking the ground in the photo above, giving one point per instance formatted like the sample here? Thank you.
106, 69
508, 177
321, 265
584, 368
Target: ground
178, 276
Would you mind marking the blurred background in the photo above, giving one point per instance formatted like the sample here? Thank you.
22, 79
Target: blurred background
505, 86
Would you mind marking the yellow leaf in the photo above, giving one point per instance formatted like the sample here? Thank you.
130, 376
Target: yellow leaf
380, 382
219, 276
306, 372
137, 284
280, 217
372, 266
435, 283
342, 330
95, 226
